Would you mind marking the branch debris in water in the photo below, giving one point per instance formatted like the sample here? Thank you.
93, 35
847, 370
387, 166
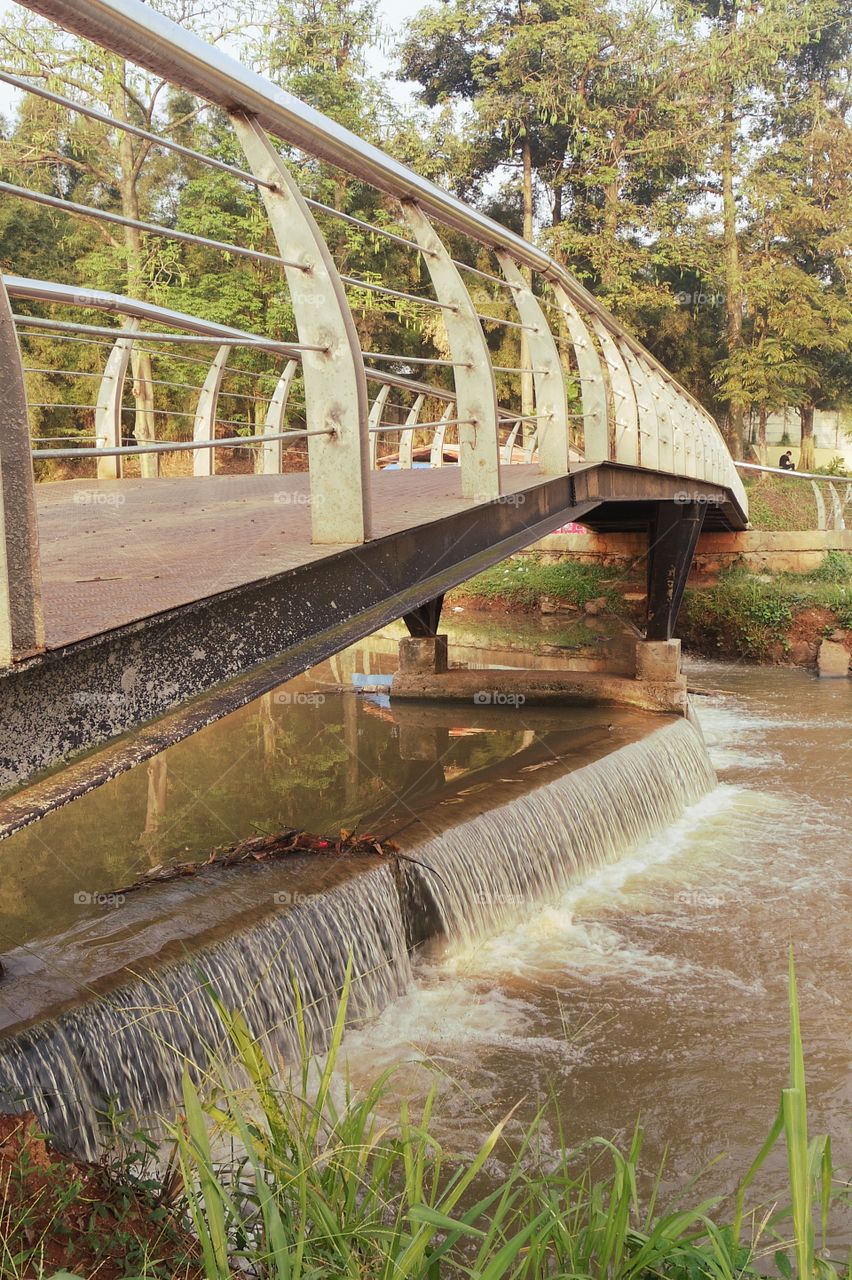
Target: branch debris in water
269, 848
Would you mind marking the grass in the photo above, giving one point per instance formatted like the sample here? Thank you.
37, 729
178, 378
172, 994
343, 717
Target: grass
363, 1189
744, 615
779, 504
523, 581
748, 616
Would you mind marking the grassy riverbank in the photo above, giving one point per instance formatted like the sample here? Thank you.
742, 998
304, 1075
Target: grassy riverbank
762, 617
322, 1184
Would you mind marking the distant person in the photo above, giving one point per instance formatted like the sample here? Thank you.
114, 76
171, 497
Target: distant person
785, 462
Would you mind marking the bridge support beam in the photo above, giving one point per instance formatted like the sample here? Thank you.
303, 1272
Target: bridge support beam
21, 623
423, 650
673, 537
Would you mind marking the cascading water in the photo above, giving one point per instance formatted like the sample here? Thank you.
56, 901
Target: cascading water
531, 848
129, 1048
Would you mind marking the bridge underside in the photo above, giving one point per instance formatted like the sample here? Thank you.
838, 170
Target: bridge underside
155, 594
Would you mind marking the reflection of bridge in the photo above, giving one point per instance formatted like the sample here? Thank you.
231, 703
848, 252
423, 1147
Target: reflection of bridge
121, 597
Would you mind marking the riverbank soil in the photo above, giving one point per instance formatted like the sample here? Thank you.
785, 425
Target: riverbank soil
773, 618
93, 1220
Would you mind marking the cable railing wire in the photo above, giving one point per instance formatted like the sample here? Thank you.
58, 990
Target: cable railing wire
150, 228
155, 139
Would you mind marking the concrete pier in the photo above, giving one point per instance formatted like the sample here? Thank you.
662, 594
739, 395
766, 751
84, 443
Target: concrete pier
542, 688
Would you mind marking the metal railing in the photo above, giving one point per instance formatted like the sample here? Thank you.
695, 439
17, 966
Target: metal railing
598, 394
830, 514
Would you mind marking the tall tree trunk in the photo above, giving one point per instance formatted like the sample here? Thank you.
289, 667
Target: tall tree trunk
733, 278
527, 392
762, 415
807, 452
609, 267
140, 360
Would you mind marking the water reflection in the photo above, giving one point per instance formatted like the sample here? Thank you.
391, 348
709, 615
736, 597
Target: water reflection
322, 752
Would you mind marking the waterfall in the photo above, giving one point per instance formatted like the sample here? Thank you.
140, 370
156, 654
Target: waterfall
489, 868
128, 1049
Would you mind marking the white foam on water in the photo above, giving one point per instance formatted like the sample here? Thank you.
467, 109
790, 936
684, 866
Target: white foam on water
483, 995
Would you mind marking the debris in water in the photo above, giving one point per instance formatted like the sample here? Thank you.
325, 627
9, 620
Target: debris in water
267, 848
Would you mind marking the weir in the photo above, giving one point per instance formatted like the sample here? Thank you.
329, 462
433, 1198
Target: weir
481, 866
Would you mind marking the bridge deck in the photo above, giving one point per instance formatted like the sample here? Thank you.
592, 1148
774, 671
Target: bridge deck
114, 552
158, 592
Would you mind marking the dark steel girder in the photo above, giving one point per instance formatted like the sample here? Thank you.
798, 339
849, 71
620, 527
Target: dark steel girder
72, 700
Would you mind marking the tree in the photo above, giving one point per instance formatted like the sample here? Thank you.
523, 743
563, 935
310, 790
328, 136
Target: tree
797, 336
107, 168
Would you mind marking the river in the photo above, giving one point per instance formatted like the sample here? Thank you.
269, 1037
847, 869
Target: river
652, 988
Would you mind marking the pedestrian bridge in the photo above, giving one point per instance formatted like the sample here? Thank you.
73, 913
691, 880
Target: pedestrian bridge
262, 530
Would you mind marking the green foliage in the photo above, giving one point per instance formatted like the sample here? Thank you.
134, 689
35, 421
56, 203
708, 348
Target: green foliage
778, 504
749, 617
836, 567
741, 615
526, 579
325, 1183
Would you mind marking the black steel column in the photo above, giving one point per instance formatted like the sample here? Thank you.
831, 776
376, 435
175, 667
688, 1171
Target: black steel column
425, 619
672, 539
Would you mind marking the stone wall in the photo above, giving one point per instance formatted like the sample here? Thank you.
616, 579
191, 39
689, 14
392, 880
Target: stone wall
759, 550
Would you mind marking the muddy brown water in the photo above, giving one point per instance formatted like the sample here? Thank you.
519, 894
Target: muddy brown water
654, 987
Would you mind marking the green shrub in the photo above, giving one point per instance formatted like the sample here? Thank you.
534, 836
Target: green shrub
741, 616
836, 567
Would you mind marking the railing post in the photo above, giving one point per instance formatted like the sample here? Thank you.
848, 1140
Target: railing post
822, 519
689, 454
374, 421
532, 446
665, 417
335, 382
699, 439
21, 623
626, 412
204, 426
509, 446
593, 388
436, 452
476, 391
272, 451
110, 396
649, 427
406, 444
551, 405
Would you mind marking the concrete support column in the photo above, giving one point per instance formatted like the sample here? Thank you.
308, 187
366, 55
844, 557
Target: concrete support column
658, 660
423, 650
21, 624
423, 653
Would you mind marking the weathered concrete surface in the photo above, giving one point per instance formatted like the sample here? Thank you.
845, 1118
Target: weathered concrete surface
536, 688
760, 550
658, 660
423, 653
833, 659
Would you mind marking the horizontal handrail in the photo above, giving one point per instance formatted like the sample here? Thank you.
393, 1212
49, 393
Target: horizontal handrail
790, 472
174, 446
206, 331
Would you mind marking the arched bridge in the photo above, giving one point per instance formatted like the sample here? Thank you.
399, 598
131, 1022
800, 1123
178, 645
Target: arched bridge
158, 573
